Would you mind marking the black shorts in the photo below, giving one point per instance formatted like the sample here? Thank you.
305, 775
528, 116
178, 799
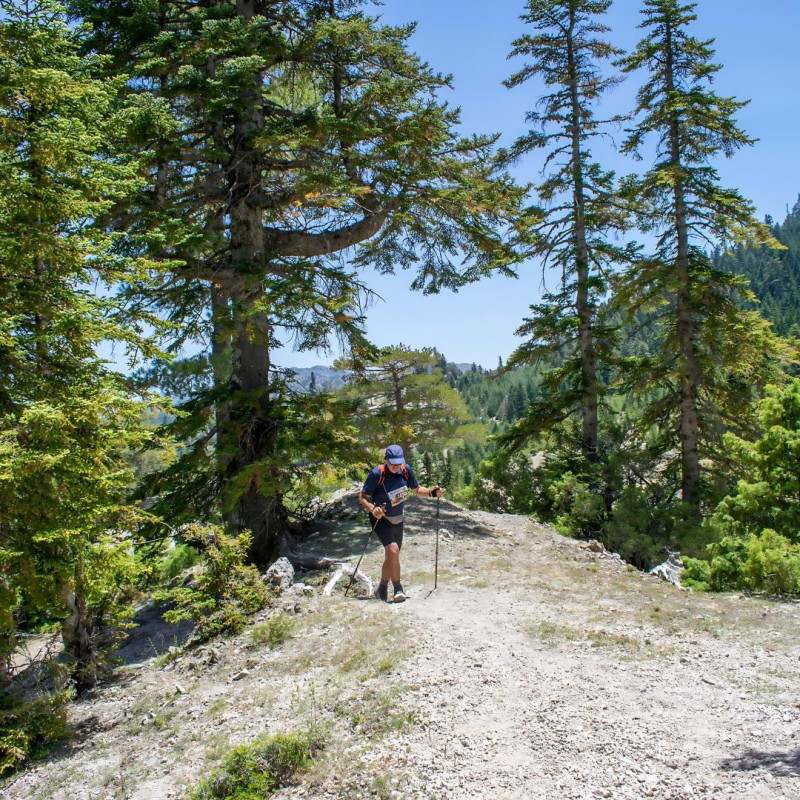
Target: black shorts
389, 533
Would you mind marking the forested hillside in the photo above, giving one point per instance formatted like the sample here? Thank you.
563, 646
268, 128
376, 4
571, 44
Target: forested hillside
774, 275
194, 187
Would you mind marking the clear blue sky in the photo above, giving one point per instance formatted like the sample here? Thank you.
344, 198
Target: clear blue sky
757, 45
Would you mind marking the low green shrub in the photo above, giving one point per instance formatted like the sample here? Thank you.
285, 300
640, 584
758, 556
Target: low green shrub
255, 771
765, 562
176, 561
30, 729
228, 591
274, 632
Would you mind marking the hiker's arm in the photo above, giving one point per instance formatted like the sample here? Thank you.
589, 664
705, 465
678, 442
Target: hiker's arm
421, 491
365, 501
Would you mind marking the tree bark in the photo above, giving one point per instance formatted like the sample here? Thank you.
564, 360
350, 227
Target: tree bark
689, 369
582, 307
250, 428
221, 364
79, 634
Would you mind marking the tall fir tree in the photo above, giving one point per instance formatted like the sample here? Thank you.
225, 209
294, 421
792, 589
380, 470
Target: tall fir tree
66, 418
291, 144
713, 353
567, 52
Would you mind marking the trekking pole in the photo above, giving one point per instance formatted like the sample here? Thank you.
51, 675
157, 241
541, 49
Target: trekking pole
436, 568
369, 536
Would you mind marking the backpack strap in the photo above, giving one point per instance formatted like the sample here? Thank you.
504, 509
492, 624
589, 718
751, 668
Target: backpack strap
382, 476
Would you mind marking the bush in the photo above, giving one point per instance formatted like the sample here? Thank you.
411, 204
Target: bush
252, 772
644, 531
30, 729
227, 591
764, 562
767, 497
757, 526
176, 561
273, 633
773, 564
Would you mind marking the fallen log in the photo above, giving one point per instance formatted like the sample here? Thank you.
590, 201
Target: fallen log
345, 569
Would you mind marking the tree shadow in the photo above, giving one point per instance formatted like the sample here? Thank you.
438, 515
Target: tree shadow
457, 521
152, 636
779, 764
339, 539
345, 539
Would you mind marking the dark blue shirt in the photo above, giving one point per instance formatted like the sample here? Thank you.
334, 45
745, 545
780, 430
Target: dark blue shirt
391, 490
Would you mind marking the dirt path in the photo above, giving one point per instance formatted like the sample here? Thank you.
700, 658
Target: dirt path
573, 677
538, 670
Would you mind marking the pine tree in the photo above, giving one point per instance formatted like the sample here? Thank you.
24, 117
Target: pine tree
66, 418
712, 352
291, 144
404, 399
567, 52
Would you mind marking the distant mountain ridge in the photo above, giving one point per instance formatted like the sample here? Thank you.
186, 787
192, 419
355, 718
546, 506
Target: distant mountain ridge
325, 378
329, 379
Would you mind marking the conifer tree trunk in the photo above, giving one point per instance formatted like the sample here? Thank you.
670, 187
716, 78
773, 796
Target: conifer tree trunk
79, 633
254, 427
582, 306
252, 423
690, 373
221, 362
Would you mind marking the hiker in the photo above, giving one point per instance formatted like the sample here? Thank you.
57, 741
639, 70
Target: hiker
383, 495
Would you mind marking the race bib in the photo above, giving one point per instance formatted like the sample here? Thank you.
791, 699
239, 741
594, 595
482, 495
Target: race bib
398, 496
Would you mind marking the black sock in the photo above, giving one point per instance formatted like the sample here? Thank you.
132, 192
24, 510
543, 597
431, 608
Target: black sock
398, 587
384, 584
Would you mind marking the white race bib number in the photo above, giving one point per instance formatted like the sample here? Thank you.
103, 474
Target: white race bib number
398, 496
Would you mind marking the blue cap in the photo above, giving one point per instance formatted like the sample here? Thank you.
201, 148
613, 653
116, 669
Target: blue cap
394, 454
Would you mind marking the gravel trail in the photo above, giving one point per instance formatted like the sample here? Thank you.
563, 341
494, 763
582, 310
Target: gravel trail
539, 669
571, 676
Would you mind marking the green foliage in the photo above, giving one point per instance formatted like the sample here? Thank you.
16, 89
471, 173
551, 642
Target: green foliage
757, 527
28, 729
497, 397
773, 274
255, 771
67, 419
404, 398
625, 496
644, 529
227, 592
573, 230
274, 632
713, 354
505, 483
764, 562
768, 493
174, 562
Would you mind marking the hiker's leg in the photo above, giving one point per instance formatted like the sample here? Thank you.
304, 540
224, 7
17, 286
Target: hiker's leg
385, 533
391, 563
